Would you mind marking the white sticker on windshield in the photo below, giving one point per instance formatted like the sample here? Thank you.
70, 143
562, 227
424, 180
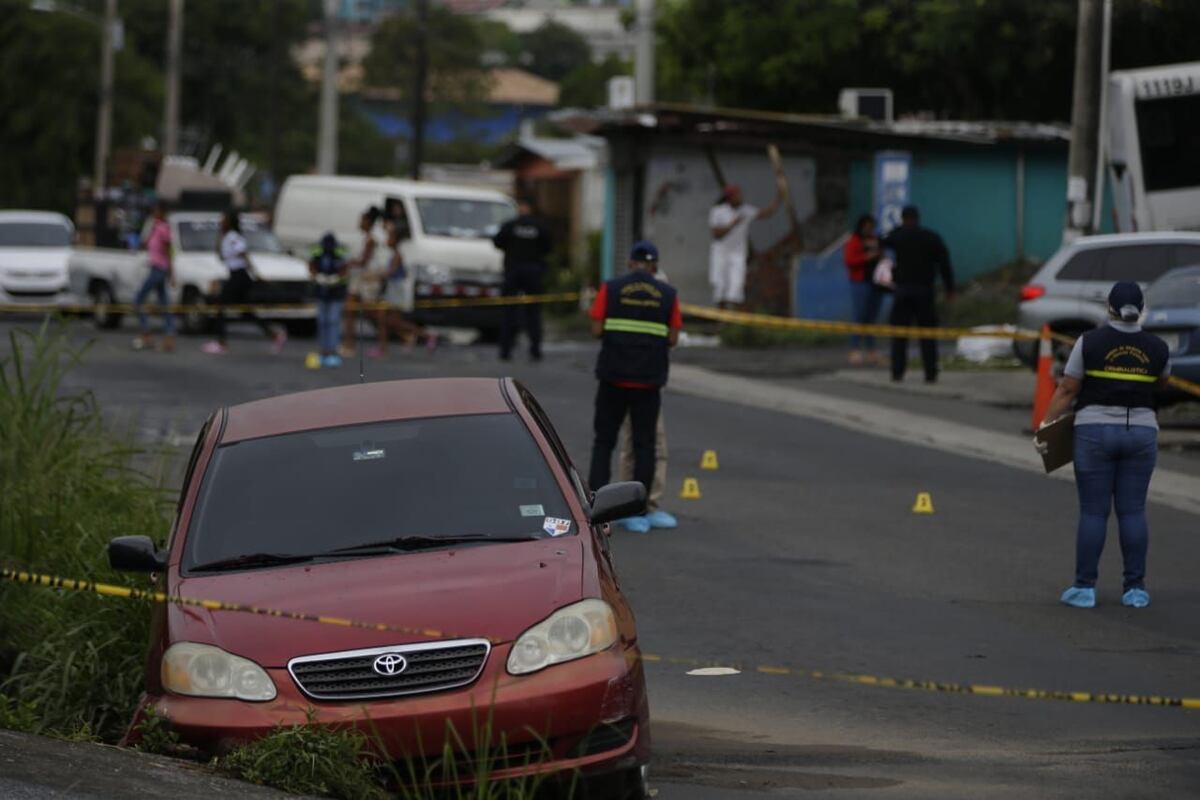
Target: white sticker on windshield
556, 527
533, 511
369, 455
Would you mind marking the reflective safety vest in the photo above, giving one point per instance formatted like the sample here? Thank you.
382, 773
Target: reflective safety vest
330, 285
635, 347
1120, 369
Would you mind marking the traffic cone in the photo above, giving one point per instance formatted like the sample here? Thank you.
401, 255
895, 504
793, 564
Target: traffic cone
709, 460
691, 489
924, 504
1045, 379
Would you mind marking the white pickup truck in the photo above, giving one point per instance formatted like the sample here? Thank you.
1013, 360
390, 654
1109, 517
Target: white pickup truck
110, 276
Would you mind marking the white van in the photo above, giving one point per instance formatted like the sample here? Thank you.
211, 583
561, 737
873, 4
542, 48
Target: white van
450, 249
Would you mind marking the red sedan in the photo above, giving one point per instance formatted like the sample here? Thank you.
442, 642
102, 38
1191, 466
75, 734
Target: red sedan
448, 506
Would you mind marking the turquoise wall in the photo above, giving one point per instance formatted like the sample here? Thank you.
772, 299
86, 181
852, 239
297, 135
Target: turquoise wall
969, 197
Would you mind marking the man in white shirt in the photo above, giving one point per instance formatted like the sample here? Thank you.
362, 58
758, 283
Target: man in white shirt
729, 222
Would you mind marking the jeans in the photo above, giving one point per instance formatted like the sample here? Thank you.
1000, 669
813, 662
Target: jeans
1113, 464
612, 404
914, 306
155, 282
329, 325
867, 298
522, 279
236, 292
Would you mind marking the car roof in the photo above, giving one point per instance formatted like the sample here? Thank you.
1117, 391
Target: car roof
21, 215
1148, 237
362, 403
397, 185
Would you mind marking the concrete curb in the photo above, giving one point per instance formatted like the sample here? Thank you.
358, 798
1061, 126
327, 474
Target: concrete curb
1169, 488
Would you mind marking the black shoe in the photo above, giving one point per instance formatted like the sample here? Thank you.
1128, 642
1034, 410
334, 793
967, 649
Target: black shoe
535, 357
506, 357
931, 378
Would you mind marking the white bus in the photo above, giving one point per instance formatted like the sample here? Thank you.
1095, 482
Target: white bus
1154, 147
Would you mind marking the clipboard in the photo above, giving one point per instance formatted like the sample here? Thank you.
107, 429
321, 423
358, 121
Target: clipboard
1060, 438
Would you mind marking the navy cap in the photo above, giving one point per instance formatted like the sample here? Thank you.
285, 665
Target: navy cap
644, 251
1125, 300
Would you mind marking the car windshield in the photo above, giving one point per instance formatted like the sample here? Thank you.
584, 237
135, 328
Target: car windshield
34, 234
201, 236
462, 219
1180, 289
313, 492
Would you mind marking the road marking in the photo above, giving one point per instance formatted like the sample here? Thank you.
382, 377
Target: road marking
712, 671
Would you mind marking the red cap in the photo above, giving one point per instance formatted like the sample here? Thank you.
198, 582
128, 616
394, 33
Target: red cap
730, 190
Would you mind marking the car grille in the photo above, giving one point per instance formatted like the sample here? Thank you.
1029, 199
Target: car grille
353, 674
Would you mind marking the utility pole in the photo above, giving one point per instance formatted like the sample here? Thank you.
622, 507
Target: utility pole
174, 51
1085, 122
1102, 145
272, 94
327, 134
643, 64
104, 111
420, 78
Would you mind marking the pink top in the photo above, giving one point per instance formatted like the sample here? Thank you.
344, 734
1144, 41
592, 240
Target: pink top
158, 245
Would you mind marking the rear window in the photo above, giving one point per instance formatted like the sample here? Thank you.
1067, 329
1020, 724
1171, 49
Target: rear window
1186, 255
1141, 263
315, 491
34, 234
1175, 290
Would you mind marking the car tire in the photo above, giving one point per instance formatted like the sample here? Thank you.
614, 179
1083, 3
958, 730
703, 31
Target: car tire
102, 300
193, 320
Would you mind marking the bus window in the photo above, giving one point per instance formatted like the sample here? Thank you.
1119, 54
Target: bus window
1170, 142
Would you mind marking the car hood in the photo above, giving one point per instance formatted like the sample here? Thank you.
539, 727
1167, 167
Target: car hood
35, 259
493, 591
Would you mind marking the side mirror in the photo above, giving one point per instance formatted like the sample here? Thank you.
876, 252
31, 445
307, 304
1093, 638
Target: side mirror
617, 501
135, 554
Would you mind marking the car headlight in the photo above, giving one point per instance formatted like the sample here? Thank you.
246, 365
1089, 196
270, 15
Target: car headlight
575, 631
201, 670
433, 273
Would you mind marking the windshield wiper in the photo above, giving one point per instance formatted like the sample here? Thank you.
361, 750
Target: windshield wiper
406, 544
252, 560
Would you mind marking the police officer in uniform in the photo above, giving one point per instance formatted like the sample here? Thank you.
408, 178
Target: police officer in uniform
637, 318
525, 243
1110, 377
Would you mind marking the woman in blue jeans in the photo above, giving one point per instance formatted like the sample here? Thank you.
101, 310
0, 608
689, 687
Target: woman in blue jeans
1110, 378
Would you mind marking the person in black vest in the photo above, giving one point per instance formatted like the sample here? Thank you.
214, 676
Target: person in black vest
1110, 377
637, 318
920, 256
525, 243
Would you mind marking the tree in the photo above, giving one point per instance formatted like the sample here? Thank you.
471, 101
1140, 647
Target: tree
554, 50
49, 85
586, 86
455, 51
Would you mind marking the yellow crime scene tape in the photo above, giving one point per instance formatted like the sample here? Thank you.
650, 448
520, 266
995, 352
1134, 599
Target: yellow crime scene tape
695, 311
983, 690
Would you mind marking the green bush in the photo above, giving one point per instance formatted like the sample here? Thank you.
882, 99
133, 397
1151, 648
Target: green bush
67, 485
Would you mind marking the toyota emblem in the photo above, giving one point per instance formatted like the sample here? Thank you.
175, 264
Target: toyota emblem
390, 664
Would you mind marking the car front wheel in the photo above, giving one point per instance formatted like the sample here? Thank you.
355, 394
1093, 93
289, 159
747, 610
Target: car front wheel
103, 316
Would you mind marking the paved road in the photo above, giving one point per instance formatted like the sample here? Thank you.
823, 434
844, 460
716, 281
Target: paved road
803, 551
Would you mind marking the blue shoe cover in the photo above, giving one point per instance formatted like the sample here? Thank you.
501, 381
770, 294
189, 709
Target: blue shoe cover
331, 361
662, 519
1136, 598
1080, 597
636, 524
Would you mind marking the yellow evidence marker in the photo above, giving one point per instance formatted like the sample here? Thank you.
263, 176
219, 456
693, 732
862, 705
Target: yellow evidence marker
708, 460
924, 504
312, 361
691, 489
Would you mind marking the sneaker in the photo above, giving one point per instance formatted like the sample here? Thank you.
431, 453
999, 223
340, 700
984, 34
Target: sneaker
856, 358
168, 344
1136, 598
278, 342
1080, 597
142, 343
214, 348
636, 524
662, 519
331, 361
431, 341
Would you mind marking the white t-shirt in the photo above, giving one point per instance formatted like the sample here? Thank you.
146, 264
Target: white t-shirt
233, 250
734, 243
